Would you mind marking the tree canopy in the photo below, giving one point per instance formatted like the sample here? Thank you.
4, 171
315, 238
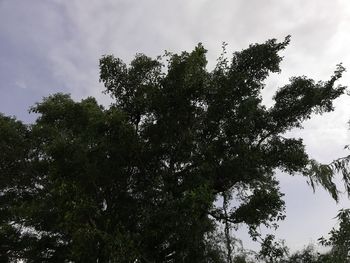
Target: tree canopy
139, 181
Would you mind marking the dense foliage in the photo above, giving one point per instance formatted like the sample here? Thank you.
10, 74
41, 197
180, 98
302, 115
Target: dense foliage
140, 180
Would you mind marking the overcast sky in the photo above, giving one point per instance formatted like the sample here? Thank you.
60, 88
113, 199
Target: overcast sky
49, 46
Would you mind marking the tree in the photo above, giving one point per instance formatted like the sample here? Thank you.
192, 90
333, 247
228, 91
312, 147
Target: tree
338, 242
138, 181
339, 239
310, 255
13, 150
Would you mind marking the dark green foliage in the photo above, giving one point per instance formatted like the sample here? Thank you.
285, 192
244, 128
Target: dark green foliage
310, 255
272, 251
14, 148
137, 182
324, 175
339, 238
338, 243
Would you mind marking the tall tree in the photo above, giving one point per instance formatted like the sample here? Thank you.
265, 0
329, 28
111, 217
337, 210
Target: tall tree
137, 182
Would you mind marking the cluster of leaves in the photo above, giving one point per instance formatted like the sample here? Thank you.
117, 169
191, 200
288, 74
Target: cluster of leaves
137, 182
338, 244
339, 238
337, 248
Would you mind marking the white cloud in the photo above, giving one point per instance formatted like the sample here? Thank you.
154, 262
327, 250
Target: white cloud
21, 84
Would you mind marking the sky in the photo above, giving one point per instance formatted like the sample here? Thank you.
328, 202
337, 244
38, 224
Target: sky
49, 46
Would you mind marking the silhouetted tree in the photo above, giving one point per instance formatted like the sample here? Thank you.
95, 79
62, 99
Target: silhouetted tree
137, 182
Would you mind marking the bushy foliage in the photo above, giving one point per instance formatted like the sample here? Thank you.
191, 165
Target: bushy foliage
137, 182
